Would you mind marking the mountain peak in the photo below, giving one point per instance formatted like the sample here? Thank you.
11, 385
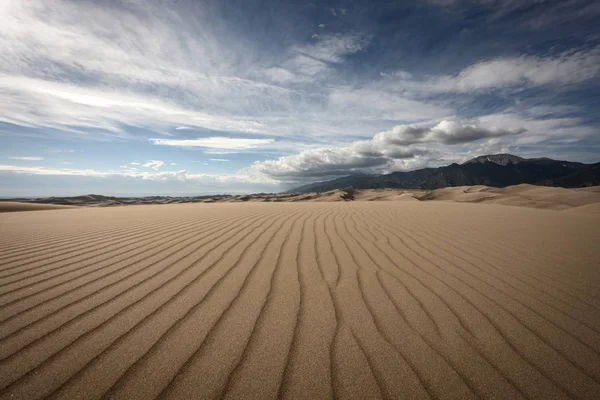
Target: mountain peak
499, 170
500, 159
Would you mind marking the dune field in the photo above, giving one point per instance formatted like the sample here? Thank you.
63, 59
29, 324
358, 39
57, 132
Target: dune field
305, 300
582, 200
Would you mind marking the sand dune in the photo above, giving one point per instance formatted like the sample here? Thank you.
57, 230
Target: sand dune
593, 208
365, 299
14, 206
553, 198
583, 199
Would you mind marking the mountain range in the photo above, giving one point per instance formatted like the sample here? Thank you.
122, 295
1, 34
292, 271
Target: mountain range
499, 170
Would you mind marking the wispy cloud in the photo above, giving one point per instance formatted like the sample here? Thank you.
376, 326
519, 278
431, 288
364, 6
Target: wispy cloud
524, 71
154, 164
69, 107
27, 158
219, 159
75, 66
183, 175
216, 142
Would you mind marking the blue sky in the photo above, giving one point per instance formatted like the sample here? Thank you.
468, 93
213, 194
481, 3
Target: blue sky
142, 97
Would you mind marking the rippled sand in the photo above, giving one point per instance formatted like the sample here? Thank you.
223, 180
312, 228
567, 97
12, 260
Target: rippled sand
398, 299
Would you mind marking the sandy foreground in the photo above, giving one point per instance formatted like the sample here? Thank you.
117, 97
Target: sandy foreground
366, 299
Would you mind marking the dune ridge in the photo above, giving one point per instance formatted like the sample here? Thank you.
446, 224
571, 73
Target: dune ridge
364, 299
581, 200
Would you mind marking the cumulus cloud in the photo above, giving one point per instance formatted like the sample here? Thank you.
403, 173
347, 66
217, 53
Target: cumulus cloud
27, 158
216, 142
154, 164
526, 70
453, 131
403, 147
320, 163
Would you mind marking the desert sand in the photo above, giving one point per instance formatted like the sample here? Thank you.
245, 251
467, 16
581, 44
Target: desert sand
312, 300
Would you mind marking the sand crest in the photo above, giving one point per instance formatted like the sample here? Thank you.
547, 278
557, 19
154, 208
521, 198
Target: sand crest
14, 206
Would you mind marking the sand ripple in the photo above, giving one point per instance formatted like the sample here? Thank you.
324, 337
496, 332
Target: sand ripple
402, 299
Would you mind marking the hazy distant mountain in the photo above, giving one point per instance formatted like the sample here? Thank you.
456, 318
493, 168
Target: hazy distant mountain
497, 170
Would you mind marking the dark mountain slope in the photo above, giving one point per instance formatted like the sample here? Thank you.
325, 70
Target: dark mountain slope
498, 170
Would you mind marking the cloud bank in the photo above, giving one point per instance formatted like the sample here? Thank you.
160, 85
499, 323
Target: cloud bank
403, 147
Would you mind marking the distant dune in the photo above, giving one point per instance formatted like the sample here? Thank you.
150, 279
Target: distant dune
520, 195
308, 299
12, 206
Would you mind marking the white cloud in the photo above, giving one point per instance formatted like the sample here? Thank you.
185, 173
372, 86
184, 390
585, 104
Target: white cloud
127, 78
216, 142
316, 58
39, 103
119, 53
403, 147
386, 151
242, 177
172, 164
540, 130
451, 131
52, 171
281, 75
27, 158
334, 48
154, 164
219, 159
376, 104
134, 163
563, 69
